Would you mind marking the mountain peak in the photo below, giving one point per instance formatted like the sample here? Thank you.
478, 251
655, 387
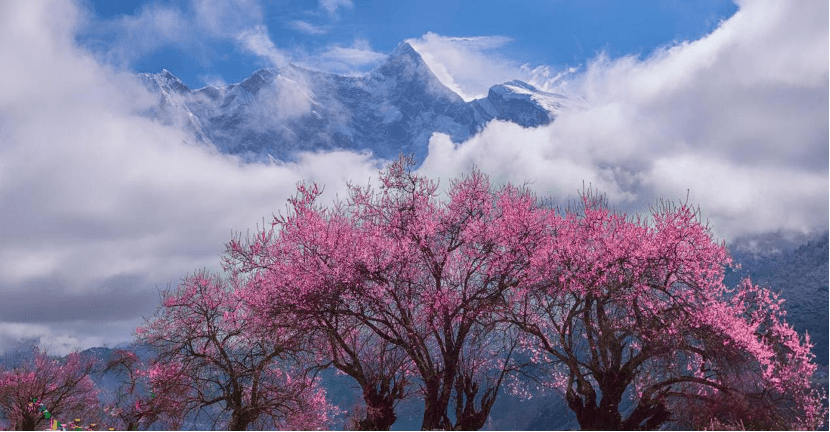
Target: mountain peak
165, 80
411, 77
405, 64
404, 49
171, 79
521, 84
259, 79
404, 57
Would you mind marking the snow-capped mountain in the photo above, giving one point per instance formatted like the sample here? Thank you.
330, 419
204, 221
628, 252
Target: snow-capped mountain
395, 108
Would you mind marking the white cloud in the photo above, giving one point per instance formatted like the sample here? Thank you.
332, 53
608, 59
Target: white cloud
738, 118
257, 41
509, 153
239, 20
227, 18
307, 27
359, 54
284, 99
345, 60
153, 27
468, 66
194, 27
101, 206
745, 198
213, 80
331, 6
63, 341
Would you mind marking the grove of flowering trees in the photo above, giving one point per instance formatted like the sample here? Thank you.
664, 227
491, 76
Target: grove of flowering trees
44, 387
450, 298
134, 405
210, 354
460, 292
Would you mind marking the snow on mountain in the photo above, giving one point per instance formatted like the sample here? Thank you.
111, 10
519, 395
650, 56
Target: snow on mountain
521, 103
392, 109
173, 104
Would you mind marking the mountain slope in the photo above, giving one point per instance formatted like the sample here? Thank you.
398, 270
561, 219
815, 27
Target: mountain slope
395, 108
799, 273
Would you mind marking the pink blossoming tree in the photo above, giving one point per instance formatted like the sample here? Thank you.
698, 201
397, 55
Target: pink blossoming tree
422, 276
135, 404
211, 359
61, 386
636, 308
295, 275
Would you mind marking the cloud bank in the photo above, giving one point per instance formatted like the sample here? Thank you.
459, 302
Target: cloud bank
101, 206
737, 120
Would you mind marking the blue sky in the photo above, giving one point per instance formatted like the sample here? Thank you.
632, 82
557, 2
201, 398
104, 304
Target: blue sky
555, 33
724, 104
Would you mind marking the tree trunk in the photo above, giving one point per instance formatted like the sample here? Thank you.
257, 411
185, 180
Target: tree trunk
239, 421
647, 417
468, 417
380, 411
28, 423
435, 410
432, 416
593, 417
472, 421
